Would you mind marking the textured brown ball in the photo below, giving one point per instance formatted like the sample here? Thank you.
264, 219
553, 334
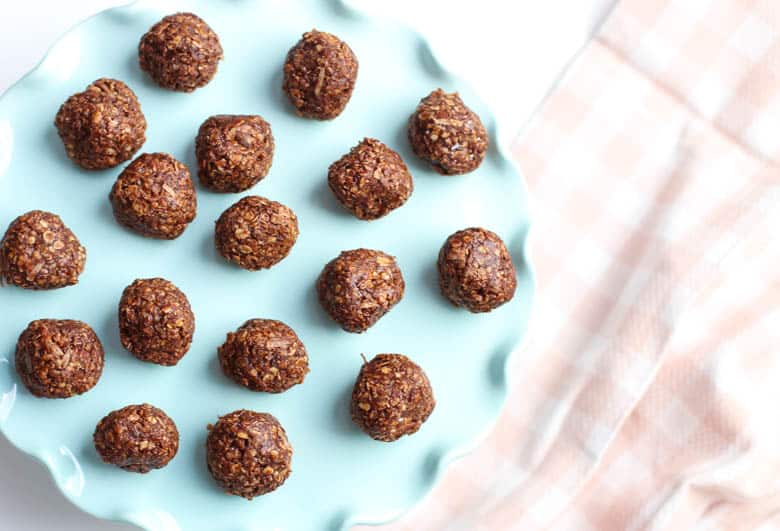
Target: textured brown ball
476, 270
137, 438
155, 197
59, 358
181, 52
248, 453
319, 75
371, 180
102, 126
392, 397
38, 251
264, 355
234, 152
447, 134
360, 286
256, 233
156, 323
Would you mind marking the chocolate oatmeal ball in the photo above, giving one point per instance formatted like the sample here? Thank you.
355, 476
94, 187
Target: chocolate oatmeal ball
59, 358
248, 453
371, 180
447, 134
264, 355
256, 233
392, 397
181, 52
137, 438
360, 286
39, 252
476, 271
155, 197
319, 75
102, 126
234, 152
156, 323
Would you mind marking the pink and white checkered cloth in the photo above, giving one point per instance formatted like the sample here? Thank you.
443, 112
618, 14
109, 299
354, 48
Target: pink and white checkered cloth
647, 396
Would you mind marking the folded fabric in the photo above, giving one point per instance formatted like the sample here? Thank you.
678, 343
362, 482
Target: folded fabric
645, 395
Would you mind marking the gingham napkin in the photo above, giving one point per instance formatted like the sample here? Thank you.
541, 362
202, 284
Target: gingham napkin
648, 394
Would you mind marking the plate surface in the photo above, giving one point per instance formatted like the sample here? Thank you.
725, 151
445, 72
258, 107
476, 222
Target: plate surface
340, 476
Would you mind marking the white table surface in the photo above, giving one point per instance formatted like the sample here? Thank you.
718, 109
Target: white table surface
524, 46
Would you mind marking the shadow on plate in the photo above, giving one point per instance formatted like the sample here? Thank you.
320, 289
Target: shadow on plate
430, 279
322, 197
210, 252
342, 418
314, 312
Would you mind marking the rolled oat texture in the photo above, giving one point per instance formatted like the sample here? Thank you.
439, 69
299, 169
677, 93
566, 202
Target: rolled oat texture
319, 75
360, 286
476, 271
264, 355
137, 438
392, 397
38, 251
256, 233
155, 197
59, 358
371, 180
156, 323
102, 126
447, 134
181, 52
248, 453
234, 152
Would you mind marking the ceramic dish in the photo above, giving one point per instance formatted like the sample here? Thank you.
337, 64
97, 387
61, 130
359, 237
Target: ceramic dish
340, 476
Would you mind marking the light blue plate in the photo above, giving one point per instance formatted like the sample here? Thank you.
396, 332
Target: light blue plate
340, 476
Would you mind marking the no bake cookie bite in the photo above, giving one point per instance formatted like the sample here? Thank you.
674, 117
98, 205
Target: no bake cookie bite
371, 180
181, 52
392, 397
358, 287
264, 355
248, 453
102, 126
137, 438
234, 152
59, 358
476, 271
447, 134
319, 75
39, 252
156, 323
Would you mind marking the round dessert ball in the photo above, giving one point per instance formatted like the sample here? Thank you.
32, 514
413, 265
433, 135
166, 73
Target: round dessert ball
102, 126
447, 134
181, 52
234, 152
39, 251
392, 397
360, 286
137, 438
154, 196
476, 271
248, 453
264, 355
319, 75
59, 358
156, 323
256, 233
371, 180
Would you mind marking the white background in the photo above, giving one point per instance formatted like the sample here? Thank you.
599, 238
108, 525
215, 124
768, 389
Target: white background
515, 51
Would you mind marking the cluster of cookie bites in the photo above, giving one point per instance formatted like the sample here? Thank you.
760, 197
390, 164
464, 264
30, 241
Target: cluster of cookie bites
248, 452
